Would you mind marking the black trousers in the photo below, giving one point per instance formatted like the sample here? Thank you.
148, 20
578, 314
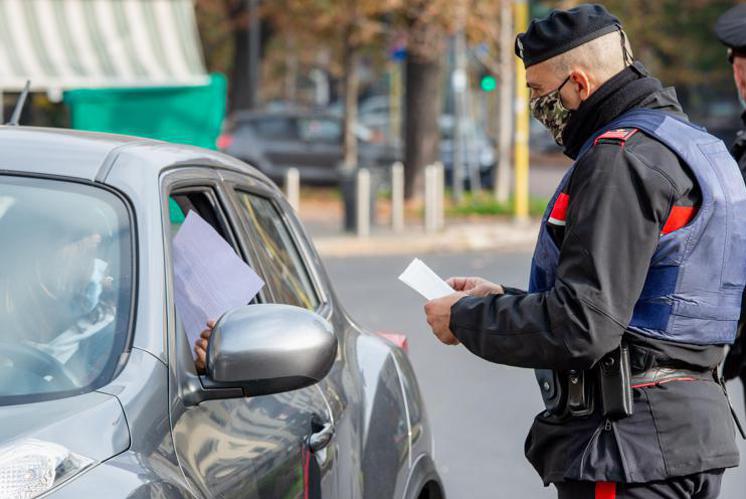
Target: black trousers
700, 486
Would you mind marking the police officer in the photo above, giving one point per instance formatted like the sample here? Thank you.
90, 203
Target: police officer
731, 30
636, 279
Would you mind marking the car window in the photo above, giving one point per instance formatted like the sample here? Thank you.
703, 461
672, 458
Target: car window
274, 128
320, 130
66, 277
274, 250
202, 202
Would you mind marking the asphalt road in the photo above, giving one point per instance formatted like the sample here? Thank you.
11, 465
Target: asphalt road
480, 412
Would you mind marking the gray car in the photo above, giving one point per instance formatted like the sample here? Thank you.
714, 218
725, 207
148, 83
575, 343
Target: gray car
275, 141
99, 392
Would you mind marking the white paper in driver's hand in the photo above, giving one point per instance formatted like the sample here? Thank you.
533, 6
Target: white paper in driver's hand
209, 277
422, 279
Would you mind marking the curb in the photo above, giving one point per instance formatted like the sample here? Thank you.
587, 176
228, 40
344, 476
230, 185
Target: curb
498, 236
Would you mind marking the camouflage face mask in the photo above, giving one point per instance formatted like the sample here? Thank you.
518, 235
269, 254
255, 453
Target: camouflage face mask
550, 112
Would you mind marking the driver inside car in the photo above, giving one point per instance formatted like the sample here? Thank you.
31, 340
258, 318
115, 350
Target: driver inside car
200, 347
58, 291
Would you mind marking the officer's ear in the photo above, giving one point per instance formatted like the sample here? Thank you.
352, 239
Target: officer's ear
580, 83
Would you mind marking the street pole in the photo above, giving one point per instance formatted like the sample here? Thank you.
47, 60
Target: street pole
459, 83
502, 178
254, 53
520, 147
395, 94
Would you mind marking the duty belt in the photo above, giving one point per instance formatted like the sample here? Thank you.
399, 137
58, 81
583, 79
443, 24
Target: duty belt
661, 375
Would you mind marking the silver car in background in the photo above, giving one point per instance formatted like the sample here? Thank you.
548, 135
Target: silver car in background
99, 393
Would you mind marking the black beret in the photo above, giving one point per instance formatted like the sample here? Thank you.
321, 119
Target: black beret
563, 30
731, 27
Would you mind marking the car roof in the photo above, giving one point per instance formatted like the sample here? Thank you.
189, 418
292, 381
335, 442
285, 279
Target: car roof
87, 155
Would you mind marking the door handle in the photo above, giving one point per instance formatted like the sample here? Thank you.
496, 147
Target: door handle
320, 439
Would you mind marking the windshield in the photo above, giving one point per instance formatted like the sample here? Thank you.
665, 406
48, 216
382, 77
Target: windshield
65, 287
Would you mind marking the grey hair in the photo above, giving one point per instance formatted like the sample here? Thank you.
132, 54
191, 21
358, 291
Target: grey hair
602, 56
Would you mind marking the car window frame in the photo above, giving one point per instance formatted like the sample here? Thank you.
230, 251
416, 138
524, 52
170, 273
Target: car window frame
126, 346
228, 223
191, 387
233, 184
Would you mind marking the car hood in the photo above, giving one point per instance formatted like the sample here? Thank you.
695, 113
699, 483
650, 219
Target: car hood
91, 425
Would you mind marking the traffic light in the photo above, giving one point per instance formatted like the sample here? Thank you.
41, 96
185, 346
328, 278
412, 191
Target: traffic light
488, 83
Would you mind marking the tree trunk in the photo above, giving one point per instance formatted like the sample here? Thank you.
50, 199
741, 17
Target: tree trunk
351, 84
244, 86
239, 96
291, 68
422, 110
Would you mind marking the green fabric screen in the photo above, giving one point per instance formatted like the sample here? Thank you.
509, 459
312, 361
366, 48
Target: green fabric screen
185, 115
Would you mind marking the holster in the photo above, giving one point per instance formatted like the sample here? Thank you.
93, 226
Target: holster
614, 374
567, 393
575, 393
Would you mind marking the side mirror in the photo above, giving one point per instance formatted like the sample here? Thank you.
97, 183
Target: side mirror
270, 348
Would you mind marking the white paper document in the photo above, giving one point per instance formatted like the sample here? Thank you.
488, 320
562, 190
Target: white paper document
422, 279
209, 277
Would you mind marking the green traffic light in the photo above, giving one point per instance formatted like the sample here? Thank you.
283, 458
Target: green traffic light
488, 83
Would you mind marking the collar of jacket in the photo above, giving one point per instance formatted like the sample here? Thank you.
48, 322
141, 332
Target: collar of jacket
624, 91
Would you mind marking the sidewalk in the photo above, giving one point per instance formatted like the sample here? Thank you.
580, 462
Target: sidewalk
321, 213
458, 236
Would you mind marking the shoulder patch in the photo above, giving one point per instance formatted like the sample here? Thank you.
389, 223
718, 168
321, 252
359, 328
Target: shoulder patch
617, 136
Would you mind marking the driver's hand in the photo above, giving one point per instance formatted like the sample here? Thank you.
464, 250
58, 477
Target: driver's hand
200, 347
475, 286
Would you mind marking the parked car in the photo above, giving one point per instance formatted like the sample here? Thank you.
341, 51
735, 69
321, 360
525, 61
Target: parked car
478, 150
310, 141
99, 392
374, 113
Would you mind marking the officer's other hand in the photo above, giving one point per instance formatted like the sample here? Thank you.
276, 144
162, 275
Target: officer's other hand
438, 313
200, 347
475, 286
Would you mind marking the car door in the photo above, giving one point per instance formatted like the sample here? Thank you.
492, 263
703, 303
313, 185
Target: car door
278, 244
230, 446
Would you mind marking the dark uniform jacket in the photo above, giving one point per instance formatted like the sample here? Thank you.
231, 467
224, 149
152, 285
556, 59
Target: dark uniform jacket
735, 363
621, 198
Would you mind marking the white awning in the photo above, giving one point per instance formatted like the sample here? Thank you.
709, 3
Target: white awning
63, 44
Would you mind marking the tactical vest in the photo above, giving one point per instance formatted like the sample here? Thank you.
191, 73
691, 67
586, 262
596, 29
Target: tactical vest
692, 292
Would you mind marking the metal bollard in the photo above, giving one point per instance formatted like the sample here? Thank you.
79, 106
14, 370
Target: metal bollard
440, 195
431, 198
292, 187
397, 196
362, 195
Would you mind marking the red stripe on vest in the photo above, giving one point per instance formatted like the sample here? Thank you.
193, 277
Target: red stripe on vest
679, 217
620, 134
605, 490
559, 210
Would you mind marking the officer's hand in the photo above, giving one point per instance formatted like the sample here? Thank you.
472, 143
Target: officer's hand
475, 286
438, 313
200, 347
